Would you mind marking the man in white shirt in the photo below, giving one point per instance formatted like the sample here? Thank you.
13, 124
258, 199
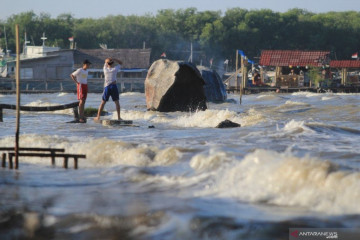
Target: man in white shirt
80, 78
110, 87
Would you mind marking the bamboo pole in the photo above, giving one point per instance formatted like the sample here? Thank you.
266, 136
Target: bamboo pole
236, 69
17, 97
242, 78
245, 73
344, 76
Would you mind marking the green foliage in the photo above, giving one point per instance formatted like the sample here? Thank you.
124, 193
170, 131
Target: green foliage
314, 74
214, 34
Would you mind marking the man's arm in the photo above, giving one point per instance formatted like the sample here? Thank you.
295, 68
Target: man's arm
118, 61
74, 78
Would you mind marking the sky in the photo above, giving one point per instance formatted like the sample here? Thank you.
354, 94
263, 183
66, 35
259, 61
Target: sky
98, 9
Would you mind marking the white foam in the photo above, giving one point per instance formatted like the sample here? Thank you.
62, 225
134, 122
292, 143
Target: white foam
252, 117
62, 94
40, 103
295, 103
205, 119
305, 94
152, 116
326, 98
100, 152
132, 94
296, 127
286, 180
266, 97
211, 161
211, 118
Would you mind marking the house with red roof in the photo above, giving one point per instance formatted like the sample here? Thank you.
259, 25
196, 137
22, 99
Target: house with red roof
291, 65
349, 71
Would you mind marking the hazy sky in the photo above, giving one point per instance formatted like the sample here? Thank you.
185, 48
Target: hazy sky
96, 8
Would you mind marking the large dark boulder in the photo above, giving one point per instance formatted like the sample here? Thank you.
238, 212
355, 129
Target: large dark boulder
174, 86
215, 90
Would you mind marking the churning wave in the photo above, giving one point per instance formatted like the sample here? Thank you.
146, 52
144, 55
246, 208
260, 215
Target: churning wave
283, 179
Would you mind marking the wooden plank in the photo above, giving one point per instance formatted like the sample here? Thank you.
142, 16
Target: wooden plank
34, 149
41, 109
50, 155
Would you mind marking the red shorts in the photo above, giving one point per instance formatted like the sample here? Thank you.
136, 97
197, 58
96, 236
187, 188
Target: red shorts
82, 90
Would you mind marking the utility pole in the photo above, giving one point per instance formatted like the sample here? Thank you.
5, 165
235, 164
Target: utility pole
6, 46
17, 133
242, 78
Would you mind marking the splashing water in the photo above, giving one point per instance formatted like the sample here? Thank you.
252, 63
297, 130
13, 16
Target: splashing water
294, 161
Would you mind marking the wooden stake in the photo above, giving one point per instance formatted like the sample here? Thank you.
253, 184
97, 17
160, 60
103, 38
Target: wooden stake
75, 163
3, 161
242, 78
17, 97
236, 68
66, 160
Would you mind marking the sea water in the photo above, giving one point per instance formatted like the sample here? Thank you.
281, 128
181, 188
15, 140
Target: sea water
294, 162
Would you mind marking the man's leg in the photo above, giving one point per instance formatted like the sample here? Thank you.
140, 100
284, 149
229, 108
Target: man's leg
101, 107
117, 104
81, 110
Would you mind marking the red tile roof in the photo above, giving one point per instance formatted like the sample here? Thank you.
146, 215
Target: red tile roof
345, 64
282, 58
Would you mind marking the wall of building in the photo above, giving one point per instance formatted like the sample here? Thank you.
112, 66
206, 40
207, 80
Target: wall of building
56, 66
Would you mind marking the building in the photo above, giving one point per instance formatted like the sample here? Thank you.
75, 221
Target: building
54, 65
349, 70
291, 66
136, 61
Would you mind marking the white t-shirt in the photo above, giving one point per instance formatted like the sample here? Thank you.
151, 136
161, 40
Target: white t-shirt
110, 74
81, 75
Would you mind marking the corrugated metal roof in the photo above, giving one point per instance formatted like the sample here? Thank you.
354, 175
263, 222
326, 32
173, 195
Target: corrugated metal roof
282, 58
345, 64
132, 58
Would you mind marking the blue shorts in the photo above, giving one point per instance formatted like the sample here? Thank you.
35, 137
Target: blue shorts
111, 90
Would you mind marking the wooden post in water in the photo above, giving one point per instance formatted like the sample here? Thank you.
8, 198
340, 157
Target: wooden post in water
242, 78
344, 76
245, 73
66, 160
277, 75
17, 97
236, 69
52, 158
76, 163
3, 160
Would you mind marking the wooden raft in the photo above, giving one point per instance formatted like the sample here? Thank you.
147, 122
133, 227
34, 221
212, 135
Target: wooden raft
73, 105
52, 153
